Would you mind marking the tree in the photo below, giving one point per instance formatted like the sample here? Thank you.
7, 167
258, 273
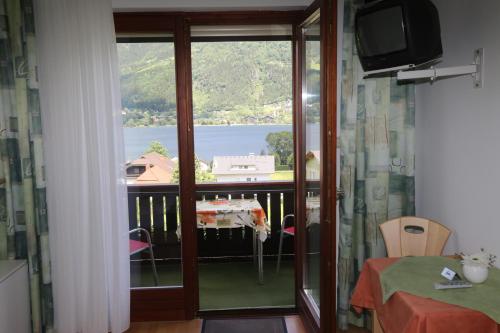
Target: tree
280, 144
157, 147
233, 83
200, 175
290, 161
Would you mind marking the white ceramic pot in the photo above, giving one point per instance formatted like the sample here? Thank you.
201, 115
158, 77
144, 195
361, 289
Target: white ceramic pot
475, 273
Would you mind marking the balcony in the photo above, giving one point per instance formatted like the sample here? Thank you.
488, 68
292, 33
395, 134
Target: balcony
222, 252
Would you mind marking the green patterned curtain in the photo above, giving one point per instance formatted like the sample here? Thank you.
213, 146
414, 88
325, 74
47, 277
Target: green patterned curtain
377, 159
23, 214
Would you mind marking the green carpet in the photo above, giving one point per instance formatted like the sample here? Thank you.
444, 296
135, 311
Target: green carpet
312, 276
141, 274
228, 285
235, 285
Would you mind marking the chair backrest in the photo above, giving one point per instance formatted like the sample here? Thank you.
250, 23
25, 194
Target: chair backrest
414, 236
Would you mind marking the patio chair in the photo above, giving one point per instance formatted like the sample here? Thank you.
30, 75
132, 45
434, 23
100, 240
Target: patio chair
136, 246
290, 231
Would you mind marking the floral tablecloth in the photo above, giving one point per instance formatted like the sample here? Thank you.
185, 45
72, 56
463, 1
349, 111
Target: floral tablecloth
235, 213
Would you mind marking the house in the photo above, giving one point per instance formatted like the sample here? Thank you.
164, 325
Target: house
251, 168
312, 165
154, 175
150, 168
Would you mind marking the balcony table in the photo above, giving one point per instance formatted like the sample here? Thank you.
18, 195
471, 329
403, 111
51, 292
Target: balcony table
236, 213
407, 313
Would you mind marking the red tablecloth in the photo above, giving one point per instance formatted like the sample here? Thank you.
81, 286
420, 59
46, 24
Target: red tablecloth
406, 313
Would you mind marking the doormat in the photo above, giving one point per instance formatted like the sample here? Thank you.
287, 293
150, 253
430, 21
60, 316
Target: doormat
245, 325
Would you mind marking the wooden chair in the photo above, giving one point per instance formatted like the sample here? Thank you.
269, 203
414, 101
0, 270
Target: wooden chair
414, 236
411, 236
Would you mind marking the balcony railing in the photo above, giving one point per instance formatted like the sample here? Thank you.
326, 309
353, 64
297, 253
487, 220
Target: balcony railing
156, 208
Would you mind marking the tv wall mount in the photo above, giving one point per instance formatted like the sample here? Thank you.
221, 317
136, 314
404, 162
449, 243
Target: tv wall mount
412, 72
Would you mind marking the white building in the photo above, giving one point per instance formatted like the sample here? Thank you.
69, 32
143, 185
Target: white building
251, 168
313, 165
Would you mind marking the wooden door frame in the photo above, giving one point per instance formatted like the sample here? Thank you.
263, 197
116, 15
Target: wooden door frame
187, 164
328, 296
329, 233
328, 185
181, 303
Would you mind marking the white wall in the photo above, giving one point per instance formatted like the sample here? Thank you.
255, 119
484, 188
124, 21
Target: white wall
198, 5
458, 132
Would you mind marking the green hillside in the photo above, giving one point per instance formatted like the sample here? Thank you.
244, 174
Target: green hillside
233, 82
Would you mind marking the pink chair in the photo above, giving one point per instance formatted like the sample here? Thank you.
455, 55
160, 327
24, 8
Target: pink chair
138, 246
290, 231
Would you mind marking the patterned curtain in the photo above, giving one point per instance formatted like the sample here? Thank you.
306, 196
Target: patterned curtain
377, 121
23, 216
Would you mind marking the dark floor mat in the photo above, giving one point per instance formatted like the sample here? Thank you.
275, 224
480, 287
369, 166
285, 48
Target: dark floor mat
245, 325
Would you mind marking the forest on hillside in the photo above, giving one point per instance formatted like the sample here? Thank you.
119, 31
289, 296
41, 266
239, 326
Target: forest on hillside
233, 83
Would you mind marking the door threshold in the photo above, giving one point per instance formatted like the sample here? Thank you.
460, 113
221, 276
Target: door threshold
245, 312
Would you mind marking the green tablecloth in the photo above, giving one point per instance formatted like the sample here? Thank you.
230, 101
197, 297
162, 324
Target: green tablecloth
417, 275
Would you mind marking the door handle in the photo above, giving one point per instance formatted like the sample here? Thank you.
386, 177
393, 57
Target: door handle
340, 193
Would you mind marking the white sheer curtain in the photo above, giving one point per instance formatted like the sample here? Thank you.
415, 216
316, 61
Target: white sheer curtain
83, 142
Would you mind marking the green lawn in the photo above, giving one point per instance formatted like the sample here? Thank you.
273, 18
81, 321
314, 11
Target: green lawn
282, 175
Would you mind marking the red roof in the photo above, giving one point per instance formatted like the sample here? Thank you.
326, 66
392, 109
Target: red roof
156, 159
153, 175
159, 168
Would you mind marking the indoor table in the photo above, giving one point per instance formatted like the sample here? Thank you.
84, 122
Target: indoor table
407, 313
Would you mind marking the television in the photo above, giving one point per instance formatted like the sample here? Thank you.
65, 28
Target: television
393, 33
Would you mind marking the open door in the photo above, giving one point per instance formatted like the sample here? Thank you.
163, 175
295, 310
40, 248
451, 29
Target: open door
316, 59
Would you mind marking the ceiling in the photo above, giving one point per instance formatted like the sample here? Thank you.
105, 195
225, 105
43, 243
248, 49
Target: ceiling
208, 5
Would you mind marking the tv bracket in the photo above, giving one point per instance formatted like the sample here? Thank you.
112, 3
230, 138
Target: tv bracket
410, 72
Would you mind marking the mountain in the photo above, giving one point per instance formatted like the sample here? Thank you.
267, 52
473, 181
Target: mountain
233, 83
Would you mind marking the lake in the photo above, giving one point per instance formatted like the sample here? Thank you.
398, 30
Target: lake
209, 140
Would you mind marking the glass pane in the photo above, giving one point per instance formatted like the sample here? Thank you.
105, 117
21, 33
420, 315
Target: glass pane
242, 99
311, 110
147, 78
242, 94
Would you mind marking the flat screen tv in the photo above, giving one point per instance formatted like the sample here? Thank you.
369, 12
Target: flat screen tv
393, 33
